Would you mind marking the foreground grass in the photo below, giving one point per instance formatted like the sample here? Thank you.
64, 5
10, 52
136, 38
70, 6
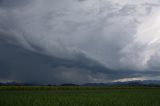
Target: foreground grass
79, 96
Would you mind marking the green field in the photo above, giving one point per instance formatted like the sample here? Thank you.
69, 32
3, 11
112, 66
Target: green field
79, 96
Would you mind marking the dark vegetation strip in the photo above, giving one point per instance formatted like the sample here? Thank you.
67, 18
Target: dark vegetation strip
68, 88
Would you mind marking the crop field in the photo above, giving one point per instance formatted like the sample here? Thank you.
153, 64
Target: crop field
79, 96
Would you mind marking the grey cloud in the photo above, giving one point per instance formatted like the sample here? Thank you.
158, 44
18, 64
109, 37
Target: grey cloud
13, 4
26, 66
90, 38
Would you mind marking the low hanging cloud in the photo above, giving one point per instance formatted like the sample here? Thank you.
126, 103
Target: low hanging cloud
78, 41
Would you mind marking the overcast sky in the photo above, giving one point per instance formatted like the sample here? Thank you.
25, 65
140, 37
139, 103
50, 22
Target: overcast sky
79, 41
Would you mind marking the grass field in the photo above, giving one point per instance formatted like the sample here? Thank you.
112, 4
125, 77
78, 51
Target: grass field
79, 96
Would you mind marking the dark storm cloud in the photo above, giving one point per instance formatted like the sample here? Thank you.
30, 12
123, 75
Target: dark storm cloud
19, 64
13, 4
54, 41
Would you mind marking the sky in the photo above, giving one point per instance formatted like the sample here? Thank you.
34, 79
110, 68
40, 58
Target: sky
79, 41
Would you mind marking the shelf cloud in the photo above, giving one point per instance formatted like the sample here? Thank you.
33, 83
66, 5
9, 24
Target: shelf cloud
79, 41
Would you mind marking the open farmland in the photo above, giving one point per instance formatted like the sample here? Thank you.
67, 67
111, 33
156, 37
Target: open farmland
79, 96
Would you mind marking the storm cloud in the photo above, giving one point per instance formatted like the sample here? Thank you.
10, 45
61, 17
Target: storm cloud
79, 41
